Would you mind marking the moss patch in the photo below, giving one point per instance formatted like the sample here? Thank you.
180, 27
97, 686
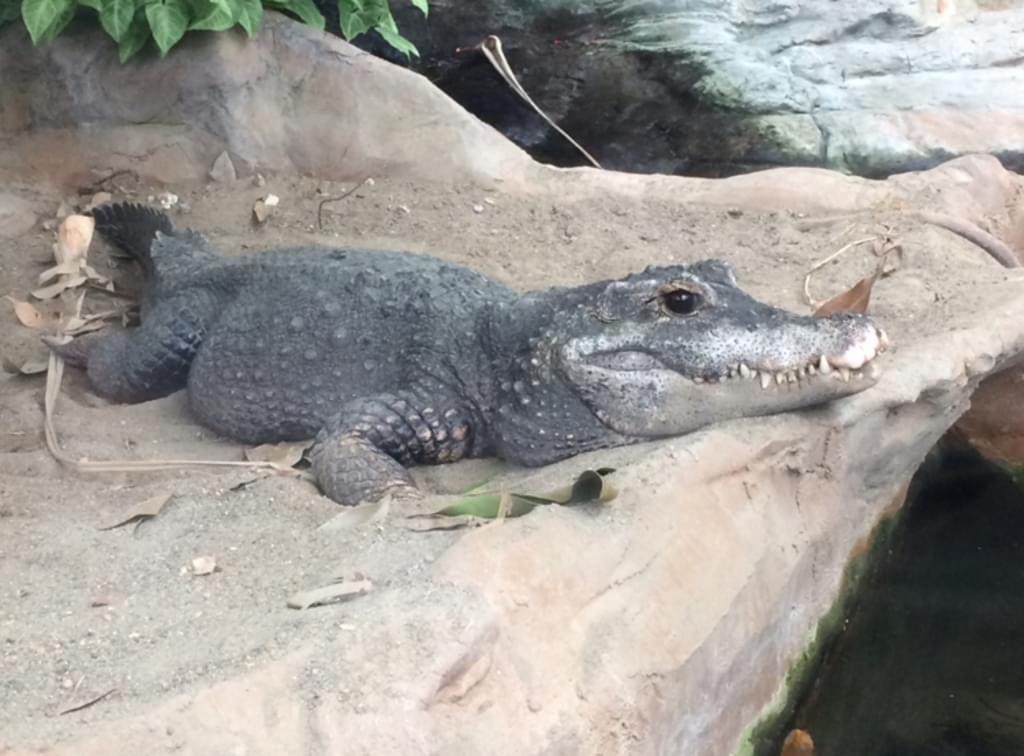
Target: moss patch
762, 738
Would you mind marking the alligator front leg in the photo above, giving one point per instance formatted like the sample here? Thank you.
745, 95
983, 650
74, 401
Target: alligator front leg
148, 362
362, 453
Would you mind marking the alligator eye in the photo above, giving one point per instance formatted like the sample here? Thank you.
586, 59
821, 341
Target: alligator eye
682, 301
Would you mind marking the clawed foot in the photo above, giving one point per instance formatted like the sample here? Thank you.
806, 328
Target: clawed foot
74, 352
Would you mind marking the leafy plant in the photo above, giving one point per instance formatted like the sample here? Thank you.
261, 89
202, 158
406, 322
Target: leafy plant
132, 23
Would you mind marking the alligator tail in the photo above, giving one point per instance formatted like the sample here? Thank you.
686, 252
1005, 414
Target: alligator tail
132, 228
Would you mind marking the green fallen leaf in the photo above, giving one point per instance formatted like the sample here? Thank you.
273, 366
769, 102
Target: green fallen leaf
590, 486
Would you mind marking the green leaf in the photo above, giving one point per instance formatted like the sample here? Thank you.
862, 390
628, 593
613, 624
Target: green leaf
250, 14
397, 41
169, 21
42, 15
61, 23
305, 10
116, 16
422, 5
213, 17
135, 38
354, 19
588, 487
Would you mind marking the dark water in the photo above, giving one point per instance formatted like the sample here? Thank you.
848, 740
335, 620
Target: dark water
932, 660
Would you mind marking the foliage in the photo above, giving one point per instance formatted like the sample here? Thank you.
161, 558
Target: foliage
132, 23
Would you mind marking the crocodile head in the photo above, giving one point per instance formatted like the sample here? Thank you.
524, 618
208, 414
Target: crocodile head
673, 348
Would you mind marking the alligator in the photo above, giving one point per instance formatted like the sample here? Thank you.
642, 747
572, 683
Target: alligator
390, 359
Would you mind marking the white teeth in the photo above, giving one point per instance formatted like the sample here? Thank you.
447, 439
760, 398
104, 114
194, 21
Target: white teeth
844, 373
791, 376
811, 370
745, 371
873, 371
823, 366
766, 379
780, 377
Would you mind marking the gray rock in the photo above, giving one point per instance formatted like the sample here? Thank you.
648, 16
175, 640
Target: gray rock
322, 107
223, 169
703, 87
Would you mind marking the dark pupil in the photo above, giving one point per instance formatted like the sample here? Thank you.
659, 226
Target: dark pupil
682, 302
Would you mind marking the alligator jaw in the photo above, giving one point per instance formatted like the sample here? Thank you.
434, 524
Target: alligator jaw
855, 363
637, 395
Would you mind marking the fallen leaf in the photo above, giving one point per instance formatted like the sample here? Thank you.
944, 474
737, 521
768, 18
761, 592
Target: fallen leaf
26, 313
76, 325
353, 517
65, 282
282, 456
204, 565
147, 510
854, 299
590, 486
798, 743
100, 198
63, 269
341, 589
31, 366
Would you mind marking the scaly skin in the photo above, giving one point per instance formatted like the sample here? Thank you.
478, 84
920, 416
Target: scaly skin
391, 359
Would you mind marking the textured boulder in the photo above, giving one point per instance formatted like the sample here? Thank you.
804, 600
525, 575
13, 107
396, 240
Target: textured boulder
872, 88
296, 101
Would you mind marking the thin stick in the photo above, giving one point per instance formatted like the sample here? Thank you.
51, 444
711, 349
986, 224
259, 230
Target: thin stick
822, 263
320, 207
492, 50
999, 250
55, 375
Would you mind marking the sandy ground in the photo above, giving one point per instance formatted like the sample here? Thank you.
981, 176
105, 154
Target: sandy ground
84, 611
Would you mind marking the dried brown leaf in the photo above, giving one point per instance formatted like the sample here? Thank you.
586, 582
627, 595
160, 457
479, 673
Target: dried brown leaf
100, 198
854, 299
147, 510
26, 313
798, 743
314, 596
282, 456
857, 297
53, 290
64, 269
